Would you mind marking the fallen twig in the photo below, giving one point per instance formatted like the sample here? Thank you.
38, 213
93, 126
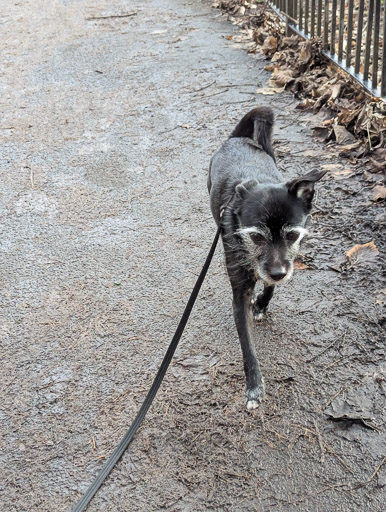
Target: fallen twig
363, 484
376, 470
336, 361
240, 101
112, 16
320, 440
31, 177
342, 390
328, 448
210, 95
332, 345
204, 87
320, 353
237, 85
333, 452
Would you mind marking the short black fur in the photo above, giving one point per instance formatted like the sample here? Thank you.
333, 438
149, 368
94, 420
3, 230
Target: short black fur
257, 125
263, 225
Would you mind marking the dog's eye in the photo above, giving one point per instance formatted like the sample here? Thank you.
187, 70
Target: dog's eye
292, 236
257, 238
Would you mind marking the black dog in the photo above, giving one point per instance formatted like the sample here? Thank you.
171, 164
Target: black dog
263, 221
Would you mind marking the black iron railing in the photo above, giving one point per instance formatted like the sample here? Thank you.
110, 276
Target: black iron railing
353, 34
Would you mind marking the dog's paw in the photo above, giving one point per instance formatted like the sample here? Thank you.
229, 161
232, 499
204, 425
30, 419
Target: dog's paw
255, 397
259, 313
259, 308
252, 404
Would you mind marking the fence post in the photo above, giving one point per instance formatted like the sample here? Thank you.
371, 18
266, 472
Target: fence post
326, 24
349, 32
320, 18
383, 79
290, 10
368, 41
377, 22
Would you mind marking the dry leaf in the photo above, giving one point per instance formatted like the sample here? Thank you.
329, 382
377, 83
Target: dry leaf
342, 135
344, 173
306, 104
349, 148
379, 193
299, 265
377, 166
270, 45
331, 167
269, 90
359, 254
336, 90
347, 115
283, 77
291, 42
321, 132
378, 160
336, 171
311, 152
259, 35
277, 56
305, 53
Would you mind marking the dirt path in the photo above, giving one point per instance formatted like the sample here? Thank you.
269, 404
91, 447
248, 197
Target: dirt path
106, 134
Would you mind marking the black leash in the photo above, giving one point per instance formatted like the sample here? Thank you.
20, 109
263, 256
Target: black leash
121, 448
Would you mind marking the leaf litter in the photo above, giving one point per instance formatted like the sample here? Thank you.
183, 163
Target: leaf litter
356, 119
359, 255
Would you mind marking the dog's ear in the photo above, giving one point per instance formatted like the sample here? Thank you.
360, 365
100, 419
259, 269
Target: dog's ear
303, 187
243, 189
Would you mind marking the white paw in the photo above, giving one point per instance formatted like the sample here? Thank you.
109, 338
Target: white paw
259, 316
252, 301
255, 396
252, 404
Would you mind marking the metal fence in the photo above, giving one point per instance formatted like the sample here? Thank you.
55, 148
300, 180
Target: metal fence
353, 33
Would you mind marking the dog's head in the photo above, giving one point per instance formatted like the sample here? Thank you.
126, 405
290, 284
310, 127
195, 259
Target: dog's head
272, 222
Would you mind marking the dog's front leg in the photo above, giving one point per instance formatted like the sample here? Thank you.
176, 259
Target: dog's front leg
243, 319
260, 303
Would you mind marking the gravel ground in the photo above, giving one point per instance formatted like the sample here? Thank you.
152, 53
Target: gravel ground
106, 133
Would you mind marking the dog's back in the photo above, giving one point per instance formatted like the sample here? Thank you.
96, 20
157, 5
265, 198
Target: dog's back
246, 155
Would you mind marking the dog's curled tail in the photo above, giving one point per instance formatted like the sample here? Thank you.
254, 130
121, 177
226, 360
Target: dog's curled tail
257, 125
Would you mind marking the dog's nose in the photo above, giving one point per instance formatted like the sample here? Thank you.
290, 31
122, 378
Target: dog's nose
277, 274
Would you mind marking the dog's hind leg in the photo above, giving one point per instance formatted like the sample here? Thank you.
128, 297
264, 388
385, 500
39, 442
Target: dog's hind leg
244, 323
260, 303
